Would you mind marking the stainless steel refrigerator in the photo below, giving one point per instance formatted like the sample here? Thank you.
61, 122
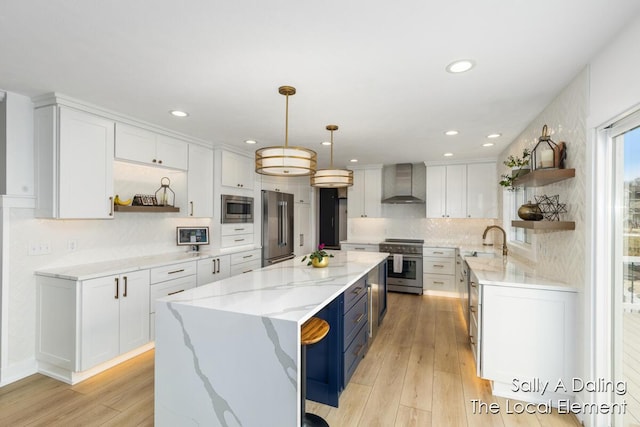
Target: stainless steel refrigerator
277, 227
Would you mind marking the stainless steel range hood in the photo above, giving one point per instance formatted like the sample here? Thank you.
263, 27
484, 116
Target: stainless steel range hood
402, 193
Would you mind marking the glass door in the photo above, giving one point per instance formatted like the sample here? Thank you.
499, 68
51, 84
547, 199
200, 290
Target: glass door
626, 272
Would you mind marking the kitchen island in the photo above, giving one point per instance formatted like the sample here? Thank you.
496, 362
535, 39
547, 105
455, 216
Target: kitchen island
228, 353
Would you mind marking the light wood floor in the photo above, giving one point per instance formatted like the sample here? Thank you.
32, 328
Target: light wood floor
418, 372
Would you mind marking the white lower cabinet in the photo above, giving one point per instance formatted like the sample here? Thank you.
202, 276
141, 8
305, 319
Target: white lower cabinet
213, 269
244, 262
169, 280
114, 319
83, 323
439, 269
523, 333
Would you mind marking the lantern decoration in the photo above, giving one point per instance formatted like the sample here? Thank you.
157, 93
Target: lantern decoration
165, 195
547, 154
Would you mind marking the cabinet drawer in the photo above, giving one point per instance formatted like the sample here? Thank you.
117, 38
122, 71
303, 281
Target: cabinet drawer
438, 265
246, 267
365, 247
354, 319
235, 229
439, 252
353, 294
236, 240
355, 352
170, 287
173, 271
246, 256
438, 282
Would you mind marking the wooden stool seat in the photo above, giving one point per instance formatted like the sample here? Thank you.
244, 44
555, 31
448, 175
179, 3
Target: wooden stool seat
313, 330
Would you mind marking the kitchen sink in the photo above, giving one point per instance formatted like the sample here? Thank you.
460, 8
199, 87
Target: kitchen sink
482, 254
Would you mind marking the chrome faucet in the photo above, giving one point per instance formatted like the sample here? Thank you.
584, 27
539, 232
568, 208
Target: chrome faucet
504, 237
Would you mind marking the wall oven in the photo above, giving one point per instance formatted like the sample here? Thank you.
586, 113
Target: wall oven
236, 209
404, 271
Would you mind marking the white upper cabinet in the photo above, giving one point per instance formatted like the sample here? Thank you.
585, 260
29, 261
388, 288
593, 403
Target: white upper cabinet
482, 194
200, 182
74, 163
462, 191
446, 191
143, 146
237, 171
364, 197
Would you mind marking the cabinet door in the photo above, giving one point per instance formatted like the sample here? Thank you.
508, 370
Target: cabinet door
100, 321
436, 191
482, 190
200, 182
213, 269
237, 171
134, 310
135, 144
274, 183
302, 229
456, 191
373, 192
85, 169
355, 195
171, 152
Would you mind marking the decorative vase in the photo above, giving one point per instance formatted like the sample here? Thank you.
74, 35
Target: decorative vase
530, 212
320, 263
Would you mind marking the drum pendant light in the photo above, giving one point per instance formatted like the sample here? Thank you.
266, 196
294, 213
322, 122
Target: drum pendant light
286, 160
332, 178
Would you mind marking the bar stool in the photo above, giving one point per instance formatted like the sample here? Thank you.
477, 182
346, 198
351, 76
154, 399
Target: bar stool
311, 332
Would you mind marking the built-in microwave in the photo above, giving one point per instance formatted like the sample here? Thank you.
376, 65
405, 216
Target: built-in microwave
236, 209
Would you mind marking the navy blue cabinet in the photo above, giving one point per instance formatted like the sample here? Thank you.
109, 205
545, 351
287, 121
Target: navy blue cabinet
332, 361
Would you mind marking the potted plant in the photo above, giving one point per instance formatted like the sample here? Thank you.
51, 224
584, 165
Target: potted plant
519, 166
318, 258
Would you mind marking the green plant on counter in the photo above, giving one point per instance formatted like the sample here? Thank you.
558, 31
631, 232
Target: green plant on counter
318, 254
517, 163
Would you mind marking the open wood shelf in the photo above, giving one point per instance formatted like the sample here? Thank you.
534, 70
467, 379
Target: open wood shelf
119, 208
540, 177
545, 225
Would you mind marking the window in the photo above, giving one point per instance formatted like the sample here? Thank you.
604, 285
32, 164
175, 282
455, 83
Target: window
512, 201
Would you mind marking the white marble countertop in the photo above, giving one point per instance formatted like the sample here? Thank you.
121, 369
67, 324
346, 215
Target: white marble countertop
507, 271
125, 265
289, 290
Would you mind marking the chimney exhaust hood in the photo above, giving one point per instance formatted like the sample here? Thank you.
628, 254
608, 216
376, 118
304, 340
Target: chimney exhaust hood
402, 193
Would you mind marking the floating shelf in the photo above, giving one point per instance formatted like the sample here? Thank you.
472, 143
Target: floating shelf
119, 208
540, 177
545, 225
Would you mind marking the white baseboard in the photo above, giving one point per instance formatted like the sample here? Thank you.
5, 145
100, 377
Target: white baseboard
17, 371
447, 294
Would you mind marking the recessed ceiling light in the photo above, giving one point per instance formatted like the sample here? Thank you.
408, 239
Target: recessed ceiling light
494, 135
488, 144
460, 66
354, 160
251, 141
326, 142
451, 132
448, 154
178, 113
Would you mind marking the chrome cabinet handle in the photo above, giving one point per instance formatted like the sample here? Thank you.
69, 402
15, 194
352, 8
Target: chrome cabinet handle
191, 203
176, 292
359, 318
473, 284
218, 265
357, 290
248, 256
111, 206
438, 265
438, 282
117, 288
471, 340
472, 309
176, 271
125, 287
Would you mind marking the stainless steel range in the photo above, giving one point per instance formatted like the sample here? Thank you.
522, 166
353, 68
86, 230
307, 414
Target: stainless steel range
404, 265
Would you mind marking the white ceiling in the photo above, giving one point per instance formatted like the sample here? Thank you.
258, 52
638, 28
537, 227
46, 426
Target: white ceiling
375, 68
